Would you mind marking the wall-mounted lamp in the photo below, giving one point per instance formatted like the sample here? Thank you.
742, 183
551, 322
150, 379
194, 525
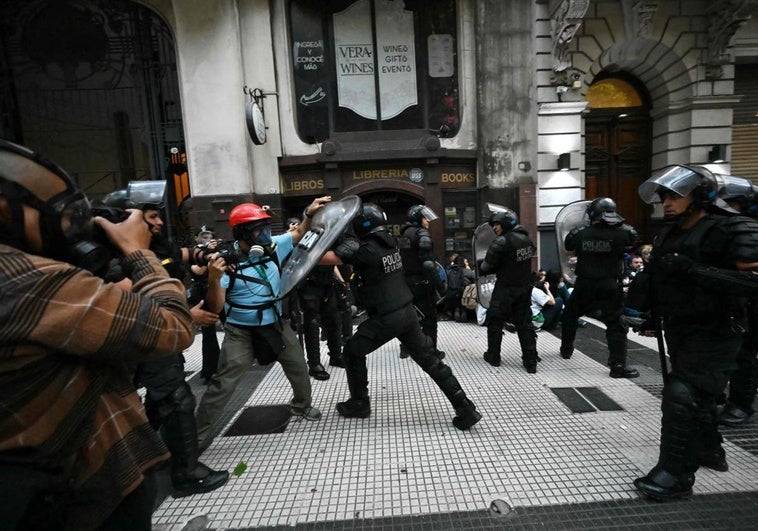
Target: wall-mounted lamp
564, 161
717, 153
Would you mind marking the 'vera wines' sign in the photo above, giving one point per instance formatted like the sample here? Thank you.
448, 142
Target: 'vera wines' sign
358, 63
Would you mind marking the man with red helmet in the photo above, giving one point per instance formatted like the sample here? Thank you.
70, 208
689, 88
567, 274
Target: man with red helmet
248, 291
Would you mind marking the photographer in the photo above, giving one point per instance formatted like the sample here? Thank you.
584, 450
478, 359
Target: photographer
76, 451
206, 241
254, 330
169, 402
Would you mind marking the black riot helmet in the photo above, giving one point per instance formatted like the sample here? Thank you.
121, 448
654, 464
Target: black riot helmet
506, 217
418, 212
370, 218
682, 181
143, 195
604, 209
739, 193
27, 178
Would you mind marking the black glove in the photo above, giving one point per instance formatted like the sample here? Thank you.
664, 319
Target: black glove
675, 263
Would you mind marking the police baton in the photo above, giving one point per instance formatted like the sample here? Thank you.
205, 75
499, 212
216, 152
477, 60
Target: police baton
661, 348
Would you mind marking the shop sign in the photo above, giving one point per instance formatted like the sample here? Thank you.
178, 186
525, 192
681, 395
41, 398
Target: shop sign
397, 174
457, 178
303, 184
395, 59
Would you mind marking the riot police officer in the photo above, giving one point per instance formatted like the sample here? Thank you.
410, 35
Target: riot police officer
600, 249
509, 257
417, 251
389, 303
318, 302
169, 402
741, 195
694, 283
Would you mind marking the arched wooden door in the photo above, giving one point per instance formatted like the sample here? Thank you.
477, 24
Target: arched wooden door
617, 145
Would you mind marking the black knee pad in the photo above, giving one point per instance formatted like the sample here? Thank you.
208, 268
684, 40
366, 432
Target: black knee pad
183, 398
679, 397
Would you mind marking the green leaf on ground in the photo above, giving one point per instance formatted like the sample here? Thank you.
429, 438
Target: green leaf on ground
240, 468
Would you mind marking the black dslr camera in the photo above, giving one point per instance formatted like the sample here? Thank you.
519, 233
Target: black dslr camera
225, 250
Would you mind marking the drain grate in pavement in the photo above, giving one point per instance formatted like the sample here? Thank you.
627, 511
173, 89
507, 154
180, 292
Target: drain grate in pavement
258, 420
585, 399
599, 399
572, 399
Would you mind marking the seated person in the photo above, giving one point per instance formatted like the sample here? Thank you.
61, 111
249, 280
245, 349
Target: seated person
546, 309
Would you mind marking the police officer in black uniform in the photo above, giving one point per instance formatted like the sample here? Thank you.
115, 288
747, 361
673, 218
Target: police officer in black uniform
695, 282
389, 304
318, 302
600, 252
417, 251
740, 194
169, 402
509, 257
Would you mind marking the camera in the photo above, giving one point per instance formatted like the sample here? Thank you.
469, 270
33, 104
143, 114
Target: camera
226, 250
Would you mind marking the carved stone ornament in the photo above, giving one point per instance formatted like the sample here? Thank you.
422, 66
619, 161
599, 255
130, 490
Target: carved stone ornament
566, 19
725, 18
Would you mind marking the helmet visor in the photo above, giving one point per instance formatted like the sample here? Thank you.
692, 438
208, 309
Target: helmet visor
680, 180
76, 217
428, 213
731, 187
147, 193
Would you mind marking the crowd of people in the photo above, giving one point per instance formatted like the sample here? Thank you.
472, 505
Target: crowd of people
77, 350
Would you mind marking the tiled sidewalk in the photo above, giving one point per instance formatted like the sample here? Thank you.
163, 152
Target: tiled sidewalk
407, 459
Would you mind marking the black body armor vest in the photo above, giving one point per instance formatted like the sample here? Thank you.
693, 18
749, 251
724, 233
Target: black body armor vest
512, 255
380, 266
600, 250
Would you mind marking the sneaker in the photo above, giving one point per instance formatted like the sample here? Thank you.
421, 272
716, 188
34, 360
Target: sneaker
492, 360
318, 372
309, 413
354, 408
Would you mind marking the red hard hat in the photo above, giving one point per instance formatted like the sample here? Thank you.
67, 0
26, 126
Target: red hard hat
246, 213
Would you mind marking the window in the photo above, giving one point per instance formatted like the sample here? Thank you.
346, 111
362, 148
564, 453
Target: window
374, 65
459, 220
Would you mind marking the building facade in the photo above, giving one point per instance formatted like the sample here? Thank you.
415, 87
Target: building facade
451, 103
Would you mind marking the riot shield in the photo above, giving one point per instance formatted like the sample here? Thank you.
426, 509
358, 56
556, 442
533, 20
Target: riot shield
569, 217
483, 237
326, 226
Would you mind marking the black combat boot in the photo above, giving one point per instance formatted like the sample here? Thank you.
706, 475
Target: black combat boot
619, 370
529, 359
336, 361
662, 485
673, 476
715, 460
358, 405
466, 415
317, 371
492, 360
355, 408
734, 415
188, 475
